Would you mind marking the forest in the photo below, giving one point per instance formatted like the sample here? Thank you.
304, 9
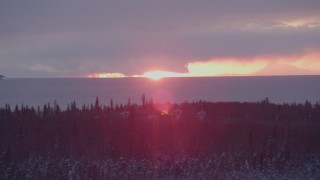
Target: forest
189, 140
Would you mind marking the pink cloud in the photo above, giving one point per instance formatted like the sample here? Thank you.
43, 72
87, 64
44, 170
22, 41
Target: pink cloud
307, 63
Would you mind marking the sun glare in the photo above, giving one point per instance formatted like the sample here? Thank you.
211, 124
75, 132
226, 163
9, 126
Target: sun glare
157, 75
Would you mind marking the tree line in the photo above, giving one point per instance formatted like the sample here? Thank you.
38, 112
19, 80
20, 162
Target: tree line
262, 133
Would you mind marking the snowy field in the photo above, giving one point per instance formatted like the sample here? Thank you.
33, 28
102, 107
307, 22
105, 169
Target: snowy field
213, 166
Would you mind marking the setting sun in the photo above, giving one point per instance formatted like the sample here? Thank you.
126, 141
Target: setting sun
157, 75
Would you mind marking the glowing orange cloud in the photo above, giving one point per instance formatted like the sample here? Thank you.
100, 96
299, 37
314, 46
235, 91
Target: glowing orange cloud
225, 67
107, 75
307, 63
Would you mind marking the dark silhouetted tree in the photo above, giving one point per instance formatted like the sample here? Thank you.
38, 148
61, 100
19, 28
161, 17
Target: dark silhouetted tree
97, 106
129, 102
143, 98
111, 104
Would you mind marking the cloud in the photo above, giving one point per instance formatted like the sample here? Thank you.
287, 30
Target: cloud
80, 37
225, 67
302, 23
45, 68
306, 63
107, 75
283, 69
309, 60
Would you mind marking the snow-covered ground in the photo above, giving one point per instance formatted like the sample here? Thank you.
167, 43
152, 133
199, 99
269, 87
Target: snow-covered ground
213, 166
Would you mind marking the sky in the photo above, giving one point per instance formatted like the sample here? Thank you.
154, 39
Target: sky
118, 38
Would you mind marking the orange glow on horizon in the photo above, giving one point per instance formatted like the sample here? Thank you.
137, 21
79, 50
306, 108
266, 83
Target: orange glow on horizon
306, 63
157, 75
107, 75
